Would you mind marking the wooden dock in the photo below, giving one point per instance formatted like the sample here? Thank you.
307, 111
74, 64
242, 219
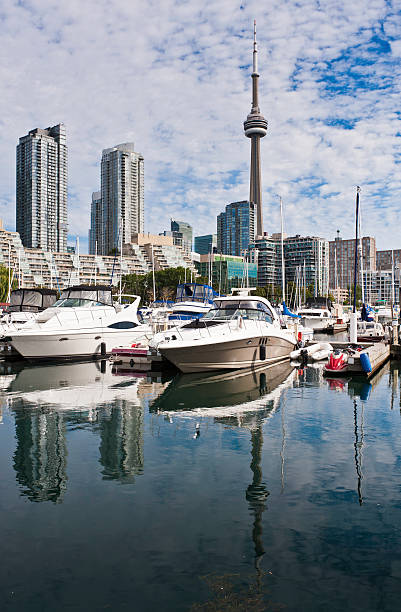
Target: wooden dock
378, 352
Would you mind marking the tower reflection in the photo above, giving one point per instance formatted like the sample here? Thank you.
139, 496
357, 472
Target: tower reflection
121, 442
40, 459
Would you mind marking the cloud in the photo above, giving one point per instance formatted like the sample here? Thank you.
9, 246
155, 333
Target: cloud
174, 77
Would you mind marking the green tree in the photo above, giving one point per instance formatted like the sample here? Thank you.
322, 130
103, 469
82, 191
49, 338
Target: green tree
4, 283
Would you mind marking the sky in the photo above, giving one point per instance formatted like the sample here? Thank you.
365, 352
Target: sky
173, 76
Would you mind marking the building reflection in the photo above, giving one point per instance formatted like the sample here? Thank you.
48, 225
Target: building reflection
40, 459
121, 442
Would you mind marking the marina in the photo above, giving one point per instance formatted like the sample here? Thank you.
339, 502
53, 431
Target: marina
271, 488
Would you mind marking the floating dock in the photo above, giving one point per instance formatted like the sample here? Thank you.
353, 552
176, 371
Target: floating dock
378, 353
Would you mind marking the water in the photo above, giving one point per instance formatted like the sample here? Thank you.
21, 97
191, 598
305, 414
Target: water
274, 490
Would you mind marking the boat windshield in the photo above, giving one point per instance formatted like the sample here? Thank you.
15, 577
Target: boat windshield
233, 310
77, 302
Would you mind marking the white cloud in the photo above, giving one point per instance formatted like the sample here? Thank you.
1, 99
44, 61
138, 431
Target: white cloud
171, 77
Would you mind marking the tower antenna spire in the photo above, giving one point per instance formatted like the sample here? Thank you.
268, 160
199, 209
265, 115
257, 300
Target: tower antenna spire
255, 128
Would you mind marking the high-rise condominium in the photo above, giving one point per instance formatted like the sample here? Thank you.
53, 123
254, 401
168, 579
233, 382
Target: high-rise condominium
95, 238
42, 189
236, 228
122, 196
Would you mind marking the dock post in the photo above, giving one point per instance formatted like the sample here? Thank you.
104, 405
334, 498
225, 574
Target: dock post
353, 328
395, 331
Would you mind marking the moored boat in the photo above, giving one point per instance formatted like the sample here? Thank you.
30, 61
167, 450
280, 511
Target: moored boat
240, 331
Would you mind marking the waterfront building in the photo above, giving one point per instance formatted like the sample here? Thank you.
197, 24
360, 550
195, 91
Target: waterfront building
342, 260
308, 258
378, 286
122, 195
255, 127
205, 244
227, 271
305, 258
385, 259
266, 253
236, 228
182, 235
40, 268
41, 188
96, 233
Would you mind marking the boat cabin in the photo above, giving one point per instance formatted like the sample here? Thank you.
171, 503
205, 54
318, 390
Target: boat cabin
195, 292
86, 296
31, 300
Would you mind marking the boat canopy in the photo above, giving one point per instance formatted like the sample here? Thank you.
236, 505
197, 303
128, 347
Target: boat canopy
31, 299
96, 293
195, 292
319, 302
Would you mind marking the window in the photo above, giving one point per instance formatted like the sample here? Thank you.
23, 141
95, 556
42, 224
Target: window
123, 325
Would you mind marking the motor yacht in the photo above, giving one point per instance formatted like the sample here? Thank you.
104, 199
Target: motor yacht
84, 323
317, 314
240, 331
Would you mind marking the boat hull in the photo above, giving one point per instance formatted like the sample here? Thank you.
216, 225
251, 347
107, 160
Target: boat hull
91, 344
231, 354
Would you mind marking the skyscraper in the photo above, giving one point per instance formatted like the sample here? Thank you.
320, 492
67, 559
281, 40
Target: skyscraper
183, 228
205, 244
255, 128
95, 239
41, 212
236, 228
122, 194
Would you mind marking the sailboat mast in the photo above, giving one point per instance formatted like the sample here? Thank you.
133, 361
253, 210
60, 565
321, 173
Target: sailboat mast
282, 252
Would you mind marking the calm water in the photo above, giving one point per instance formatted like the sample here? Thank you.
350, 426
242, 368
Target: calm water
275, 490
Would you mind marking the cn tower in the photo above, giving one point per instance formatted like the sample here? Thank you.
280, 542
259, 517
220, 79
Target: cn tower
255, 128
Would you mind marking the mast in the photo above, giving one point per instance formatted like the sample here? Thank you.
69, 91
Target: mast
353, 318
282, 252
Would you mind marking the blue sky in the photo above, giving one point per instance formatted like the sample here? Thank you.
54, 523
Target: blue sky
174, 77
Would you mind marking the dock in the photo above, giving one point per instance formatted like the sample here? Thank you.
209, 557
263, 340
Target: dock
378, 352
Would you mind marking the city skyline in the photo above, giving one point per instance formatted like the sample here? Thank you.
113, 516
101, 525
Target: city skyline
329, 88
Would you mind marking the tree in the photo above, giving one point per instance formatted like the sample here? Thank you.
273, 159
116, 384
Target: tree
4, 283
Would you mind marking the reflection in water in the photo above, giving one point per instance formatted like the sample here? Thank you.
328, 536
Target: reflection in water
121, 442
40, 459
241, 391
257, 493
49, 400
358, 454
244, 399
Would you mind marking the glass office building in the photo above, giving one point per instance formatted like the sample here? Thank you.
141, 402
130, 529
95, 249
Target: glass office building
236, 228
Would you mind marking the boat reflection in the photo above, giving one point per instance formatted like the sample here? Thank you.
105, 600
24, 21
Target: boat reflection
224, 394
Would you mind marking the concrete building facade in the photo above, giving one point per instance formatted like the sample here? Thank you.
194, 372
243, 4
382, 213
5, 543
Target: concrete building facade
40, 268
122, 195
41, 188
342, 260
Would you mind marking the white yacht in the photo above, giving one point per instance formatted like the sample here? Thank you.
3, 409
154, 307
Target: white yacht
84, 323
317, 314
240, 331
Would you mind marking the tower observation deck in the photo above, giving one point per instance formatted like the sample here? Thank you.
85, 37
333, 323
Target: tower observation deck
255, 128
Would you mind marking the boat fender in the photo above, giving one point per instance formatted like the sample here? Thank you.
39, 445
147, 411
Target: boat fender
365, 362
103, 348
